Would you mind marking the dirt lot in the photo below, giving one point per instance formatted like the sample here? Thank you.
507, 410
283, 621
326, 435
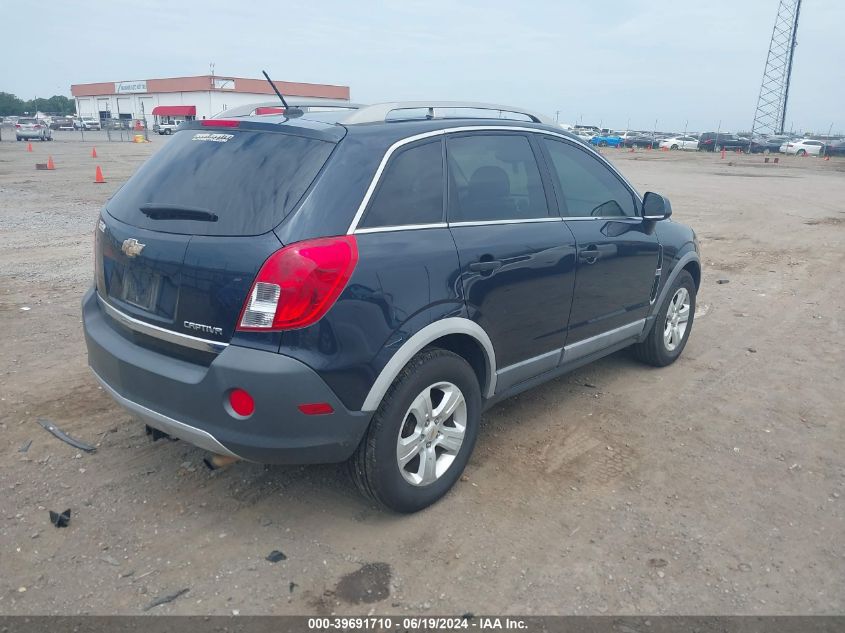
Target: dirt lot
714, 486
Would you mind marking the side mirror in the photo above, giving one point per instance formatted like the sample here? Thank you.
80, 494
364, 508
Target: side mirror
656, 207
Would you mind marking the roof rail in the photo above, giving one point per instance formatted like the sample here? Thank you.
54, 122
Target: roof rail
379, 112
309, 105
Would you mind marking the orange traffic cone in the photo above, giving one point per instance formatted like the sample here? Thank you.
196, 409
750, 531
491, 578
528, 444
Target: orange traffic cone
29, 147
827, 157
98, 176
723, 153
93, 152
50, 164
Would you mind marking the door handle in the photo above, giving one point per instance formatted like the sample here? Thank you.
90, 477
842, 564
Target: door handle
589, 255
486, 266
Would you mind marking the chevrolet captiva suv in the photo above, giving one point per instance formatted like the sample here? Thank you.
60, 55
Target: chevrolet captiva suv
360, 283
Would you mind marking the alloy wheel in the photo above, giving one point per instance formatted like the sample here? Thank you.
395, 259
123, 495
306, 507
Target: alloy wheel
677, 317
432, 433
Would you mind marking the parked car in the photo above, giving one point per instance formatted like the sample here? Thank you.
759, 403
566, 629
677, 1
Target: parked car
680, 142
61, 123
803, 147
90, 123
766, 145
346, 309
642, 140
166, 127
716, 142
606, 140
32, 129
835, 148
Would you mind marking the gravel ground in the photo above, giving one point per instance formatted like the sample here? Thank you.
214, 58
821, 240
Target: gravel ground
714, 486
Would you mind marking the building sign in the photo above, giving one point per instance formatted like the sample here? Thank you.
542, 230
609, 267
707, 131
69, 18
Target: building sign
127, 87
224, 84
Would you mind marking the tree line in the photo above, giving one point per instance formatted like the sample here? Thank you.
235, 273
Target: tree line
12, 105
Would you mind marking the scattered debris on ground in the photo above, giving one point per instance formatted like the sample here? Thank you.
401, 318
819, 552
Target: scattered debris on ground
64, 437
60, 520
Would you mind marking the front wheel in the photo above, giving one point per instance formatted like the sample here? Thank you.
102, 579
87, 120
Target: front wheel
674, 147
603, 144
802, 152
422, 435
672, 325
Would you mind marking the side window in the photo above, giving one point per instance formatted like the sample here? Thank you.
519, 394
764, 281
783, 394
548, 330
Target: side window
587, 187
494, 177
410, 190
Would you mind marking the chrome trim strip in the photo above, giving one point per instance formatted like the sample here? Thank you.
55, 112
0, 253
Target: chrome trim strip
470, 128
598, 342
432, 332
374, 182
491, 222
155, 331
616, 218
526, 369
403, 227
191, 434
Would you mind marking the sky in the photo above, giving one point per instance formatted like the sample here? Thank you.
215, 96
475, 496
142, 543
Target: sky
694, 64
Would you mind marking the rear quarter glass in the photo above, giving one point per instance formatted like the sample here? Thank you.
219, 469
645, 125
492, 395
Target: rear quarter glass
250, 180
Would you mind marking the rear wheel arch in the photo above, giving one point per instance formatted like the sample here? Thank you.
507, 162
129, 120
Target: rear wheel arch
468, 348
455, 334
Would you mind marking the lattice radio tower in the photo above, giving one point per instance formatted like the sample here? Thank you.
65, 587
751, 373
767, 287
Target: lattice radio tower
770, 115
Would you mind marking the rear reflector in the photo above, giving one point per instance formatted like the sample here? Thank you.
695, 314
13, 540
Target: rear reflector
298, 284
241, 402
220, 123
316, 408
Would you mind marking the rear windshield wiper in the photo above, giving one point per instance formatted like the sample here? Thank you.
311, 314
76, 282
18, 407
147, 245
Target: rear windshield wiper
177, 212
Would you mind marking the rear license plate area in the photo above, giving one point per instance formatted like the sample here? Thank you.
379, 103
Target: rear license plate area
140, 288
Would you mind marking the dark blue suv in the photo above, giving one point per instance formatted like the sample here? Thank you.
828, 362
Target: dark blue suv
360, 284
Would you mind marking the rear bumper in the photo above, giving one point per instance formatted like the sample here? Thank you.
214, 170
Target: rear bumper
187, 400
29, 133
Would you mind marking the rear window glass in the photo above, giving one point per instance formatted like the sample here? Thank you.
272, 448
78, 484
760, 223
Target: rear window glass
248, 181
411, 191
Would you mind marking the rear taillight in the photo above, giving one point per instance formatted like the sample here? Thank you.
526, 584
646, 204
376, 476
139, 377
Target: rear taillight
18, 125
298, 284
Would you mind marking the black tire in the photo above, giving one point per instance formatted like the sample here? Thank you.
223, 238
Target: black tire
674, 147
653, 350
374, 467
603, 144
167, 131
801, 152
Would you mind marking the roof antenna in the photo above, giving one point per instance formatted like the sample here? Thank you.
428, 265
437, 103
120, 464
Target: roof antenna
289, 112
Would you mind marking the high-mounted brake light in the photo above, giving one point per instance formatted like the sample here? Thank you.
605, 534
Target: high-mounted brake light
269, 110
219, 123
298, 284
